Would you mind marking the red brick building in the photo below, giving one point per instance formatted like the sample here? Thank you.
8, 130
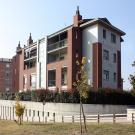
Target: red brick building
5, 75
50, 62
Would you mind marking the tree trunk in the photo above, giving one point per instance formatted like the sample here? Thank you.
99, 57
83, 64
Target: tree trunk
84, 117
20, 121
80, 116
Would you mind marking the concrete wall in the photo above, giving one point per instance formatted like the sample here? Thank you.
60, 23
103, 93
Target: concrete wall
36, 112
131, 114
69, 109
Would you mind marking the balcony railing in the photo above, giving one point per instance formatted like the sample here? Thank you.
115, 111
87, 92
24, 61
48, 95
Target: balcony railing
57, 45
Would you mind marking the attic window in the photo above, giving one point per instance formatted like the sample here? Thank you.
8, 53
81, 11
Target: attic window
104, 33
113, 38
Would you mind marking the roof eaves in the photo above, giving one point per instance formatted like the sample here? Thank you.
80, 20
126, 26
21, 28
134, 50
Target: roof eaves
113, 27
60, 31
98, 20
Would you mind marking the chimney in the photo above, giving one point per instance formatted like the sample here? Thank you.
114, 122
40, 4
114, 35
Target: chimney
30, 41
77, 17
19, 46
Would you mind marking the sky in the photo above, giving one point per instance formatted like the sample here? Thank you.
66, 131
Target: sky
41, 17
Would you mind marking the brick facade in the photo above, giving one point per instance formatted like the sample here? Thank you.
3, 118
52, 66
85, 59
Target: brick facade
5, 75
97, 65
68, 42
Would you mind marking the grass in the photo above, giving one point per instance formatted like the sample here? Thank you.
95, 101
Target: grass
11, 128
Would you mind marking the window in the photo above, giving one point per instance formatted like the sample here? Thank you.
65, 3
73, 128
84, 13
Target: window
113, 38
114, 57
64, 76
7, 88
106, 55
25, 80
104, 33
114, 77
51, 78
33, 80
7, 65
7, 74
15, 71
106, 75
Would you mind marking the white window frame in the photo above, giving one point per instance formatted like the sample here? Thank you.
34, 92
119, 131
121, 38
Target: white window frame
106, 75
105, 54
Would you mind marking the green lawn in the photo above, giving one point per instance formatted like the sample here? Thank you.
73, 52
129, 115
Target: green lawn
11, 128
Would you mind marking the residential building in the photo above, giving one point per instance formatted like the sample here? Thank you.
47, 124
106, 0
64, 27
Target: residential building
50, 62
5, 75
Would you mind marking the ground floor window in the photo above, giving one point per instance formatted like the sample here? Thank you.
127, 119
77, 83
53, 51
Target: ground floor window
64, 76
52, 78
33, 80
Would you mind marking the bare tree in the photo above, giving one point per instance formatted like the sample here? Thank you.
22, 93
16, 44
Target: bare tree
82, 86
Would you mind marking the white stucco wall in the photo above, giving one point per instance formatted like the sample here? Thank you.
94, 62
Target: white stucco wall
94, 34
41, 63
109, 65
89, 36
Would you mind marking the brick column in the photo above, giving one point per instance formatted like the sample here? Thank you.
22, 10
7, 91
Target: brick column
119, 86
97, 65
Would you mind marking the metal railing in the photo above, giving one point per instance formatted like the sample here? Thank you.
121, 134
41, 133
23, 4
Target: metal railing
57, 45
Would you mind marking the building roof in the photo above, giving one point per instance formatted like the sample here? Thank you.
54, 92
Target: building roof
5, 60
88, 22
105, 22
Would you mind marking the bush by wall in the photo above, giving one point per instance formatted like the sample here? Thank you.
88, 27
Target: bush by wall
100, 96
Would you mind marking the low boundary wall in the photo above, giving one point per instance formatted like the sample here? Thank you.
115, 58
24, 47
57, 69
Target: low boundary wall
36, 111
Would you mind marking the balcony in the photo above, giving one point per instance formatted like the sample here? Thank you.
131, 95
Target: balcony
57, 55
30, 55
56, 46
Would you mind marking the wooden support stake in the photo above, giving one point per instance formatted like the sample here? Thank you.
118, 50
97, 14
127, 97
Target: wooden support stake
114, 118
72, 119
62, 119
132, 118
98, 118
54, 117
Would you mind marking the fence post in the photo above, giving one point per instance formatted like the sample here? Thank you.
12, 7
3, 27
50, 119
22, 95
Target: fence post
62, 119
46, 119
132, 118
0, 114
43, 116
98, 118
13, 113
6, 112
10, 113
38, 115
114, 118
72, 119
54, 117
48, 114
3, 112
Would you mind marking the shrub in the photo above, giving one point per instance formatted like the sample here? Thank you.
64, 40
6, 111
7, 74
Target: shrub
100, 96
